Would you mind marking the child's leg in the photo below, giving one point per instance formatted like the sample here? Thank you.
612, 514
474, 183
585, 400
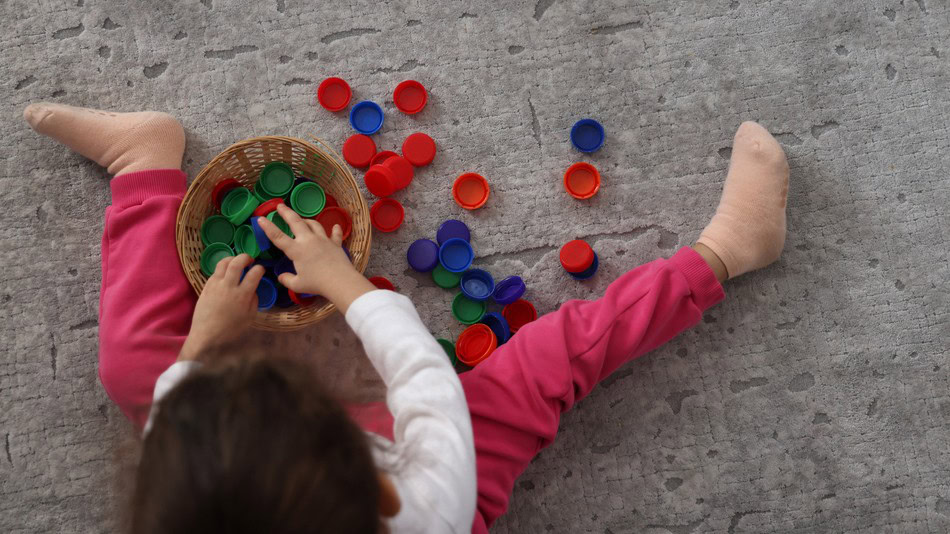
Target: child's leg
145, 304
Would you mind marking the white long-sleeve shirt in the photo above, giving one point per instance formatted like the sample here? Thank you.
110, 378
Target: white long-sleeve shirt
433, 446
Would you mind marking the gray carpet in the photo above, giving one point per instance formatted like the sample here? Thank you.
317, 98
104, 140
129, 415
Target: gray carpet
813, 399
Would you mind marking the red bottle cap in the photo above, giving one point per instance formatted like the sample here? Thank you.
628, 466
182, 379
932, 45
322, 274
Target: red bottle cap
518, 314
475, 343
402, 170
471, 190
419, 149
576, 256
301, 301
331, 202
336, 215
410, 97
386, 215
359, 150
267, 207
334, 94
382, 283
382, 156
582, 180
380, 180
221, 190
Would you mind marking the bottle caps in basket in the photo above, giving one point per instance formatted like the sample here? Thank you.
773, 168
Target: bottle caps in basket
386, 215
453, 228
245, 242
587, 135
366, 117
471, 190
308, 199
238, 205
456, 255
266, 294
331, 201
277, 179
477, 284
267, 206
217, 229
301, 300
359, 150
334, 94
221, 189
336, 216
475, 343
380, 180
576, 256
419, 149
402, 171
410, 97
382, 156
279, 222
498, 324
263, 242
466, 310
212, 254
382, 282
519, 313
509, 290
444, 278
582, 180
423, 255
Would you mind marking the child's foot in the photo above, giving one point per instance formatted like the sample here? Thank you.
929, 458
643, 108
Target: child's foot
121, 142
748, 230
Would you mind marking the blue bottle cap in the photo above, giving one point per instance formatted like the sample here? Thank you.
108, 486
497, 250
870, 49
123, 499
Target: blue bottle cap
589, 272
509, 290
477, 284
453, 228
284, 265
587, 135
263, 242
423, 255
366, 117
456, 255
266, 294
498, 325
283, 298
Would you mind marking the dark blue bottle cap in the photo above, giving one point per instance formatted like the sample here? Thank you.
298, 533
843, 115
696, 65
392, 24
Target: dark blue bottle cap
423, 255
477, 284
453, 229
284, 265
283, 298
509, 290
498, 325
589, 272
456, 255
587, 135
263, 242
366, 117
266, 294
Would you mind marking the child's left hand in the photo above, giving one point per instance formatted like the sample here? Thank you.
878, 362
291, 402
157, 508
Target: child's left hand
227, 305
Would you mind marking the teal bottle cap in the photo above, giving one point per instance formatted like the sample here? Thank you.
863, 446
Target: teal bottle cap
445, 278
245, 242
279, 222
308, 199
277, 179
449, 349
238, 205
466, 310
217, 229
212, 254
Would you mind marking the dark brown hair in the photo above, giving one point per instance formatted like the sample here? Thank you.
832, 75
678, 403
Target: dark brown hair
254, 446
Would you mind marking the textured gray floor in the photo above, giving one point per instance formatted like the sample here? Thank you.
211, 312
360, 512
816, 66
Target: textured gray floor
813, 399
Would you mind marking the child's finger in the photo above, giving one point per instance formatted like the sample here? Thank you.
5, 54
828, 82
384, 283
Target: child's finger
252, 278
233, 273
276, 235
316, 227
337, 235
220, 268
297, 224
291, 282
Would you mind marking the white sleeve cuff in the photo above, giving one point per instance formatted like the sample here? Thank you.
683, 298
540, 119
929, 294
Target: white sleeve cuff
167, 382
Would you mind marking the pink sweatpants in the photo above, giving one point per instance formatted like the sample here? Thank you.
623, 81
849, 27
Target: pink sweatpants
516, 397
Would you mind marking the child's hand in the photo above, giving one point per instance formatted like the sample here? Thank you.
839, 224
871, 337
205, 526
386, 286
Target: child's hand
322, 266
226, 307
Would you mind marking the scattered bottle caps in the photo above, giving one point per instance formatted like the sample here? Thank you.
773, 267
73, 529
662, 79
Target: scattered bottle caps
587, 135
308, 199
466, 310
217, 229
419, 149
576, 256
477, 284
359, 150
589, 272
382, 156
402, 171
582, 180
453, 228
334, 94
382, 282
277, 179
336, 216
423, 255
380, 180
238, 205
212, 254
366, 117
471, 191
518, 314
410, 97
456, 255
444, 278
509, 290
498, 324
475, 343
266, 294
449, 349
386, 215
221, 189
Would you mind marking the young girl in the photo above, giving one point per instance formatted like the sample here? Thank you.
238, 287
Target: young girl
242, 444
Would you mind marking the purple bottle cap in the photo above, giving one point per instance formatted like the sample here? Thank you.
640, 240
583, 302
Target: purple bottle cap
284, 265
509, 290
453, 228
423, 255
283, 298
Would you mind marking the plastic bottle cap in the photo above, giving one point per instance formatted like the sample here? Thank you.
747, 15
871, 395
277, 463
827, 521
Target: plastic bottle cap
453, 229
589, 272
509, 290
382, 156
331, 201
308, 199
582, 180
221, 190
419, 149
267, 207
449, 349
380, 180
444, 278
366, 117
266, 294
333, 216
238, 205
423, 255
263, 242
470, 190
277, 179
386, 215
477, 284
217, 229
475, 343
284, 265
283, 298
576, 256
301, 300
279, 222
456, 255
245, 242
498, 324
260, 195
334, 94
519, 313
211, 255
359, 150
382, 283
402, 170
587, 135
466, 310
410, 97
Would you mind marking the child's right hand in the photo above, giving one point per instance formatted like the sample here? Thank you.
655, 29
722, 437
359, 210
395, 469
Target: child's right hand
321, 264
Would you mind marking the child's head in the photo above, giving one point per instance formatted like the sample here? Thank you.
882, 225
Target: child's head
255, 446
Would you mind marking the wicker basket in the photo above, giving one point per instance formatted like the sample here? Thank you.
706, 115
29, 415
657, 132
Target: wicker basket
243, 161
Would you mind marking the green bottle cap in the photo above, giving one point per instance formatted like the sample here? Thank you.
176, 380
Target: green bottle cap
217, 229
277, 179
212, 254
466, 310
260, 195
449, 349
308, 199
279, 222
238, 205
445, 278
245, 242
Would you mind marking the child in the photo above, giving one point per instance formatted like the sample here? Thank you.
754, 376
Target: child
255, 444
